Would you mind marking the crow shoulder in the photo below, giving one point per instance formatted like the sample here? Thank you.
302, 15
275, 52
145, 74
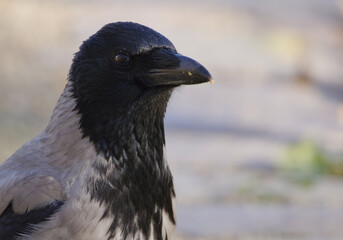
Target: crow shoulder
25, 184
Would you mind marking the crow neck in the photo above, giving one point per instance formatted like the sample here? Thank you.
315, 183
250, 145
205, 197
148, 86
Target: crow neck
134, 182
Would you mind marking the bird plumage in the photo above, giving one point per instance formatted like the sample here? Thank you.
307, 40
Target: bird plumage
98, 171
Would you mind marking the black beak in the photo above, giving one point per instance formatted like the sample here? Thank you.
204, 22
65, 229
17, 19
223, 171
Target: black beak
188, 71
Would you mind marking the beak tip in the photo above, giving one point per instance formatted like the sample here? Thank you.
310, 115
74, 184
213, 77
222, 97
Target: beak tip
202, 74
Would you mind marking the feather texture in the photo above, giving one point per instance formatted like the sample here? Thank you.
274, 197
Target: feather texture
98, 171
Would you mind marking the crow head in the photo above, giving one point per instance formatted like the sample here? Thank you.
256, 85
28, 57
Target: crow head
123, 74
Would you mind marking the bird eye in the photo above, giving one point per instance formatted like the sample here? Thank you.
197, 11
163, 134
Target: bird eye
122, 60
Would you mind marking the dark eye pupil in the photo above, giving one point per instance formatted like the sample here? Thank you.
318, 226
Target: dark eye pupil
122, 59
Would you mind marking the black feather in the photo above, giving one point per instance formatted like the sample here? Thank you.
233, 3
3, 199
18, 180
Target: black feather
13, 225
124, 120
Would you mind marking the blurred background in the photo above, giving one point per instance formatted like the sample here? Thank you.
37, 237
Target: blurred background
257, 155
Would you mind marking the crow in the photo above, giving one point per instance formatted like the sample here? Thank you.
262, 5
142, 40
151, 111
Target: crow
98, 171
